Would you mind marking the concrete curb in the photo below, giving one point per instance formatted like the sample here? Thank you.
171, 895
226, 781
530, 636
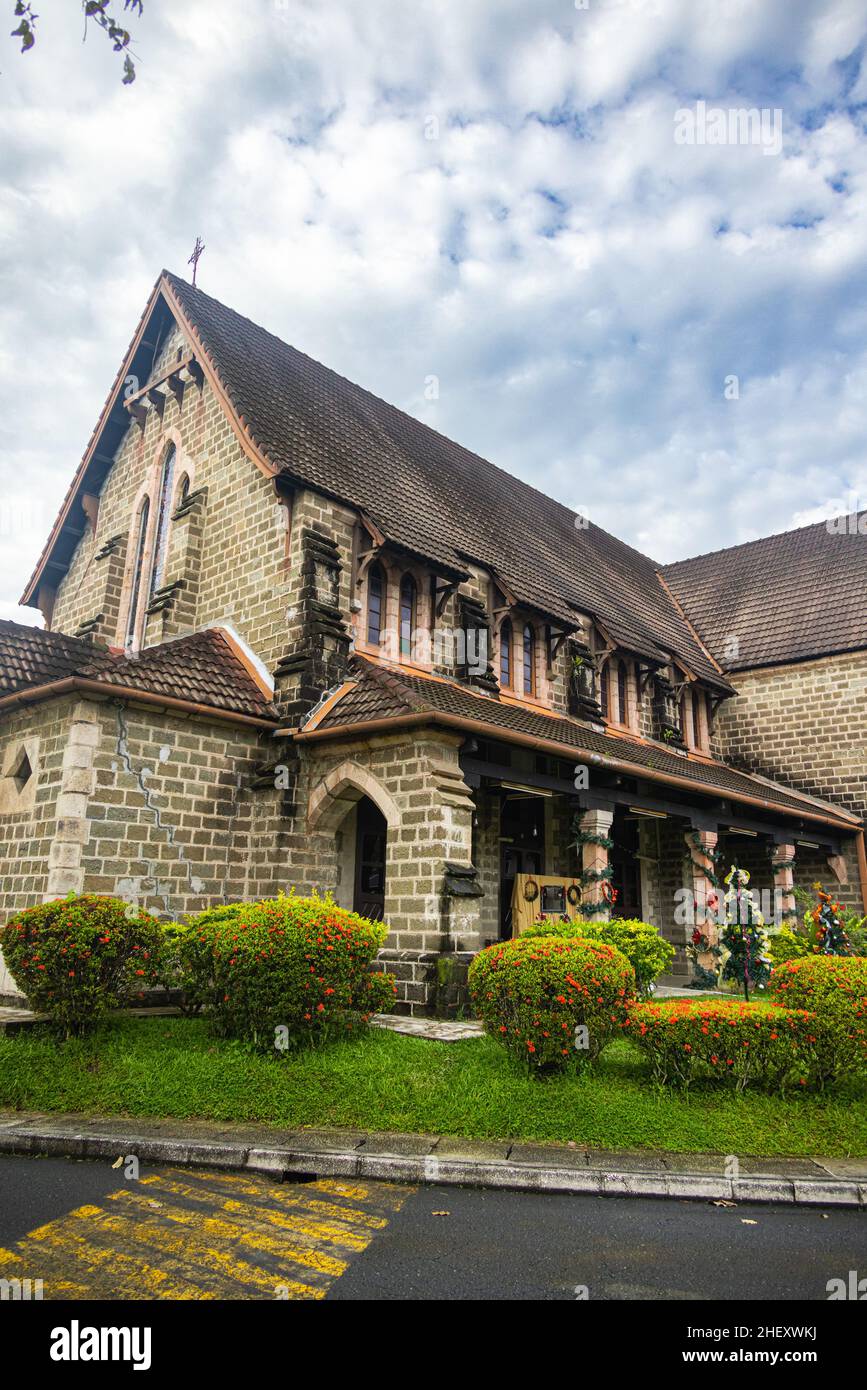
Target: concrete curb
378, 1162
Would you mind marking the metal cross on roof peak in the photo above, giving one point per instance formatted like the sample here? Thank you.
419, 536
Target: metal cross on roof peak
194, 258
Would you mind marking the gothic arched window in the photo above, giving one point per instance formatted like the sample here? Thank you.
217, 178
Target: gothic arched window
141, 536
164, 507
407, 613
506, 655
375, 594
529, 655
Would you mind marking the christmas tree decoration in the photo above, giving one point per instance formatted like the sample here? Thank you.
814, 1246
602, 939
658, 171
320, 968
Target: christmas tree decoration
827, 918
744, 954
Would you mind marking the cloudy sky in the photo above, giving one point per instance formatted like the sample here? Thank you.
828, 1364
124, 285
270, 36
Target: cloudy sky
499, 194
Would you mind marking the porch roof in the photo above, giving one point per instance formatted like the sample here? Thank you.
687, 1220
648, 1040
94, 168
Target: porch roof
377, 698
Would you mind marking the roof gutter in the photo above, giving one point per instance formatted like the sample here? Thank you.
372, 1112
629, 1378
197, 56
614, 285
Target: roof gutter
81, 684
550, 745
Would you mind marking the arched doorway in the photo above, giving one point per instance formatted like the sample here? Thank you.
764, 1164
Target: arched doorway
371, 832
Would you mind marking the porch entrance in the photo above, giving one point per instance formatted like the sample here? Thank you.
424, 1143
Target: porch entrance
626, 867
522, 848
370, 838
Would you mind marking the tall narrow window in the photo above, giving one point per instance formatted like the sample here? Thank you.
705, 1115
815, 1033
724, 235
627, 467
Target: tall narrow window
407, 614
696, 720
604, 693
137, 578
506, 655
529, 661
622, 694
683, 723
161, 539
375, 592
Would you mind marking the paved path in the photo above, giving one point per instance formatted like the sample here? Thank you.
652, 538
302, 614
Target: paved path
90, 1231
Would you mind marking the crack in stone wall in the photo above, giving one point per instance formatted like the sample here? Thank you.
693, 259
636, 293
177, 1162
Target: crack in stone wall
141, 777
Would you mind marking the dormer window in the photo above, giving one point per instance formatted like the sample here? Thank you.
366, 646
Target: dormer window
622, 694
375, 604
529, 660
506, 655
407, 613
605, 691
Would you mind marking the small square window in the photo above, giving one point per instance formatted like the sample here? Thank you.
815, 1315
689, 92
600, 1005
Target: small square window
553, 900
22, 771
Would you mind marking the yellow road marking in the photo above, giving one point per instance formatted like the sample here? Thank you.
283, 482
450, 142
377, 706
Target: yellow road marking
65, 1244
240, 1234
294, 1198
179, 1234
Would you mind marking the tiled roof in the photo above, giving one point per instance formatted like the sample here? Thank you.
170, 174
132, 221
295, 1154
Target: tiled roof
428, 494
383, 693
784, 598
201, 669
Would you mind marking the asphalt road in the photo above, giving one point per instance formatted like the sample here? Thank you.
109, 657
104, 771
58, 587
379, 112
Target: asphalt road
89, 1231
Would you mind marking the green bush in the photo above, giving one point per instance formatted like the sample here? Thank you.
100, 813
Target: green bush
79, 957
285, 972
834, 988
534, 994
381, 992
786, 944
648, 953
187, 963
731, 1042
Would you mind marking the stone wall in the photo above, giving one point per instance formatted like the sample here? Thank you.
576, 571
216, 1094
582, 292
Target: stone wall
806, 725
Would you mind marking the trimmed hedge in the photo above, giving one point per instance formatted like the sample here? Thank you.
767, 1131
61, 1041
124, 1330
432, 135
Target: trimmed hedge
78, 958
534, 994
648, 953
285, 972
834, 988
731, 1042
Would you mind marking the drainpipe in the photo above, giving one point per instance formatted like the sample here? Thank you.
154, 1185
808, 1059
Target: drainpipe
862, 867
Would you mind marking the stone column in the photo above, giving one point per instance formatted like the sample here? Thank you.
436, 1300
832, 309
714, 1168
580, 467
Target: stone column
707, 899
594, 859
77, 784
784, 882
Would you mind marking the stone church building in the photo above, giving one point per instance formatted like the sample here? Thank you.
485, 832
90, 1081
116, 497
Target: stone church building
295, 638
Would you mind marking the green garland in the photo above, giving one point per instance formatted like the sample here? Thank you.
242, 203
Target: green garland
583, 838
591, 909
586, 876
596, 875
714, 855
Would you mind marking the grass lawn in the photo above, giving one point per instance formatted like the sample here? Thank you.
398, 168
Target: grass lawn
385, 1081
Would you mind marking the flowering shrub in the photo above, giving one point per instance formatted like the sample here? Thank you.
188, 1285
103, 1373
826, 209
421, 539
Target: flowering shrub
647, 952
79, 957
736, 1043
834, 988
284, 972
549, 999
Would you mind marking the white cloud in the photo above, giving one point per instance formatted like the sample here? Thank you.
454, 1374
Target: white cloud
580, 284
